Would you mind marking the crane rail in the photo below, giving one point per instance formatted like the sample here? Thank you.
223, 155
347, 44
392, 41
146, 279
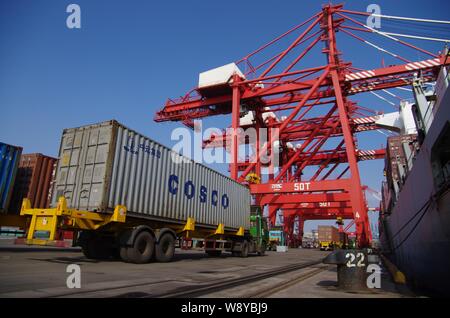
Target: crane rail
197, 290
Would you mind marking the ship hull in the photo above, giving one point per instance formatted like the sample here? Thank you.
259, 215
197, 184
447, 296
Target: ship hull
416, 231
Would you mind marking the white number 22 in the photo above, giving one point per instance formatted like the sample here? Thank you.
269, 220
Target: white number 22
351, 258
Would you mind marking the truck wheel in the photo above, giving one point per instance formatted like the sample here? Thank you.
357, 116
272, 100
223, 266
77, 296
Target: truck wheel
142, 250
165, 248
124, 254
116, 253
262, 249
88, 252
97, 248
214, 253
244, 249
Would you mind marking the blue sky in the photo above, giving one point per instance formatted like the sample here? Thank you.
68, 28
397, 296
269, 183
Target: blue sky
130, 56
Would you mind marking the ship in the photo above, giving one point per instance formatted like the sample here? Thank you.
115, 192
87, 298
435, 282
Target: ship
414, 219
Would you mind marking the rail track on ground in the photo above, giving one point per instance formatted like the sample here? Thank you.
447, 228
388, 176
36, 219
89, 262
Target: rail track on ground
202, 289
196, 291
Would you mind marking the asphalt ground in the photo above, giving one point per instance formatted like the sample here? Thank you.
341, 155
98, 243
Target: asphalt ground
30, 271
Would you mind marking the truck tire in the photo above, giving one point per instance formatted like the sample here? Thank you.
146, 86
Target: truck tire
244, 249
142, 250
88, 251
97, 248
262, 249
165, 248
124, 254
116, 253
214, 253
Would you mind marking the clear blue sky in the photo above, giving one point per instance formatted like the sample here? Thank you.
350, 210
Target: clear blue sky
130, 56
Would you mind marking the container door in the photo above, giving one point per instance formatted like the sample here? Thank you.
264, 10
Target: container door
81, 176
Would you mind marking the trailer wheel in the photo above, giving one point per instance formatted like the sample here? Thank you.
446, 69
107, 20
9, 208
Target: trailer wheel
116, 253
165, 248
124, 254
88, 252
262, 249
214, 253
244, 249
96, 247
142, 250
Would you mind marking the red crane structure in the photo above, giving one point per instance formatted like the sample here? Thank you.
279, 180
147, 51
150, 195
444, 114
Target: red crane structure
317, 133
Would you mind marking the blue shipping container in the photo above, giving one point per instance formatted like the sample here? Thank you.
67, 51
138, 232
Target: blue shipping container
9, 161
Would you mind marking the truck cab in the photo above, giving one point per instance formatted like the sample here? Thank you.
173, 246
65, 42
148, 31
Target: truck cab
258, 229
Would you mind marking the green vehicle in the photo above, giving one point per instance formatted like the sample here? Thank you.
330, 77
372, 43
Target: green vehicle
258, 230
351, 244
253, 241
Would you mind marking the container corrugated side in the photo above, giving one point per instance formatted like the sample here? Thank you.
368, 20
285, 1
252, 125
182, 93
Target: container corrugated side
33, 181
327, 233
9, 160
106, 164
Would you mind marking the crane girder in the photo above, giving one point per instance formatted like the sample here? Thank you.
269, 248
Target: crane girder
358, 82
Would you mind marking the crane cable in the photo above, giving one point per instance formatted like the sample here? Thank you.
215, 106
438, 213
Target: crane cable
379, 48
392, 94
384, 99
404, 89
415, 37
387, 36
383, 133
408, 19
391, 35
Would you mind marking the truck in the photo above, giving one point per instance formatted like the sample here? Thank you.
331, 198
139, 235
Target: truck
328, 237
127, 196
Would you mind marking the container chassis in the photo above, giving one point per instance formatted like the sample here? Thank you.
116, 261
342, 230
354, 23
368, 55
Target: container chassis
139, 239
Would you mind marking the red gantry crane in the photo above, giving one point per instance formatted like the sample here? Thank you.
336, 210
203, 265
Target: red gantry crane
317, 176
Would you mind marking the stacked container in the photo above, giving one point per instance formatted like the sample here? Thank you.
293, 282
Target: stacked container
328, 233
33, 181
386, 198
9, 160
400, 151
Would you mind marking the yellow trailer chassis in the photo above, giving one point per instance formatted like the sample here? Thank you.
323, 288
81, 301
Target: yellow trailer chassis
104, 235
62, 217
